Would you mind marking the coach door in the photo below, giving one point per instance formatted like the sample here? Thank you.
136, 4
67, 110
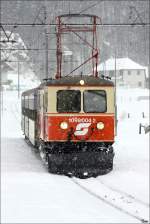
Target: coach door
41, 114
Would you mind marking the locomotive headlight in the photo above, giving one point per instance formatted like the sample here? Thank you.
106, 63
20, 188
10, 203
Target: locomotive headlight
100, 125
64, 125
81, 82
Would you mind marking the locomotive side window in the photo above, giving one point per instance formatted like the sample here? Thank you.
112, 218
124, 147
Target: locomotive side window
38, 101
41, 100
45, 101
29, 106
31, 102
68, 101
94, 101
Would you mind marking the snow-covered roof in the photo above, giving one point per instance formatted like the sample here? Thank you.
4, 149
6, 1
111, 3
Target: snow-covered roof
121, 64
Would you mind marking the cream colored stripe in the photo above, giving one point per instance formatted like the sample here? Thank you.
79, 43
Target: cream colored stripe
79, 114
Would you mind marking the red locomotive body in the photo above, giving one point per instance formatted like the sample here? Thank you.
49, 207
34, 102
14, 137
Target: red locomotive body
81, 128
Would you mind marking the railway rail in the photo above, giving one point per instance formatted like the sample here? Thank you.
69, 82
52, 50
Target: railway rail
118, 200
124, 194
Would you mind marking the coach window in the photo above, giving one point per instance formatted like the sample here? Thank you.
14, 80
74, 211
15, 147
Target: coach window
26, 102
23, 101
31, 102
68, 101
23, 105
94, 101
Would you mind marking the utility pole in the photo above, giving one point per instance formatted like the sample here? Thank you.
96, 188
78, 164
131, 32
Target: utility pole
43, 21
115, 73
18, 66
46, 44
18, 79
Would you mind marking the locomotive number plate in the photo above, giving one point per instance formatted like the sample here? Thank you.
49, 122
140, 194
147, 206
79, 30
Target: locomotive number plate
82, 120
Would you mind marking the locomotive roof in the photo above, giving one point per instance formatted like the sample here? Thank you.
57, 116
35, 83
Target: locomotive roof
78, 15
75, 81
72, 81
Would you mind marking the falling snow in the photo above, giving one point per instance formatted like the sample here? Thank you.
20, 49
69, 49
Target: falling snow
31, 195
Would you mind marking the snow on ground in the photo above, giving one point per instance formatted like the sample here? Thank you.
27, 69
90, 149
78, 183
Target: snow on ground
31, 195
131, 162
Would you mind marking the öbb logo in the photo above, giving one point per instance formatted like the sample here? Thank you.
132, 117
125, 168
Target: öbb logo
82, 129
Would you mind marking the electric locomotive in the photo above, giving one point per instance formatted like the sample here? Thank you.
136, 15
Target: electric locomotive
72, 123
71, 119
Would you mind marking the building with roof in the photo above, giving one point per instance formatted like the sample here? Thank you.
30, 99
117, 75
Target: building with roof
128, 73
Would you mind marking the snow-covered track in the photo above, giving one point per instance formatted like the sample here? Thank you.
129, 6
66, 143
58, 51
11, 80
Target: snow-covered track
124, 194
115, 199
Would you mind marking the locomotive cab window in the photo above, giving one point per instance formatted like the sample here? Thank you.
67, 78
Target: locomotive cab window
68, 101
94, 101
